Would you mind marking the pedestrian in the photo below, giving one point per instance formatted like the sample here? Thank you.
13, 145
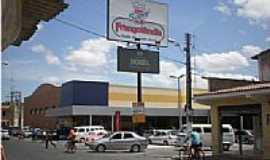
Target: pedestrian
3, 153
70, 146
49, 139
196, 145
20, 135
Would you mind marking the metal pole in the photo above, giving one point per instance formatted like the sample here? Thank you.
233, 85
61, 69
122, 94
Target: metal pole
179, 105
240, 136
139, 81
139, 89
188, 80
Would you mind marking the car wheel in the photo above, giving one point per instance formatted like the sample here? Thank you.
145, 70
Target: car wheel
135, 148
166, 143
100, 148
226, 147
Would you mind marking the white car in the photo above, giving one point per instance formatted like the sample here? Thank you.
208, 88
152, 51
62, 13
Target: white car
163, 136
82, 132
205, 131
4, 134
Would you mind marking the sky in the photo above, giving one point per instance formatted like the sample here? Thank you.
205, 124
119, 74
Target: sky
225, 34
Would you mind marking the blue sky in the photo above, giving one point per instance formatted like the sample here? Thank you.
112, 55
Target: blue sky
226, 34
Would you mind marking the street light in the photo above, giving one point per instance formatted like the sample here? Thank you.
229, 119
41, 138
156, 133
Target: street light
178, 98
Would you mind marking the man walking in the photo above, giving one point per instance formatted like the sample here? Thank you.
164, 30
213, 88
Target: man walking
49, 139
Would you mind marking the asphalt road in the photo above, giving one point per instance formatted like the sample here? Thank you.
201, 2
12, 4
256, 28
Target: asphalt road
28, 150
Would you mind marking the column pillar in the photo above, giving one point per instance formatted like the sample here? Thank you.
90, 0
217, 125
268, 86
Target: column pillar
112, 127
90, 120
216, 131
266, 130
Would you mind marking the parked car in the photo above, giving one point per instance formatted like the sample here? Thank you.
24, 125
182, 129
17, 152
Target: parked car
122, 140
27, 133
205, 130
162, 136
82, 131
94, 136
5, 134
246, 136
14, 131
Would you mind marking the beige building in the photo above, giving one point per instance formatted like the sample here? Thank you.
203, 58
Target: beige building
252, 100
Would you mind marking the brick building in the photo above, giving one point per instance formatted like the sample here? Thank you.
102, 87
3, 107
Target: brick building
46, 97
7, 116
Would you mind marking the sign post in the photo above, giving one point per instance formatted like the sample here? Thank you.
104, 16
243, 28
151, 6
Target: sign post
139, 22
133, 20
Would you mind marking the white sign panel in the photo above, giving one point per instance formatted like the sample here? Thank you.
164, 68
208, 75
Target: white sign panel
145, 21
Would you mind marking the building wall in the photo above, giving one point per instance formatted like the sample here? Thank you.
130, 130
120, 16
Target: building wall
215, 84
264, 66
7, 116
48, 96
45, 97
123, 96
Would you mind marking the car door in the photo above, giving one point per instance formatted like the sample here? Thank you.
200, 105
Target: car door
157, 138
115, 141
128, 141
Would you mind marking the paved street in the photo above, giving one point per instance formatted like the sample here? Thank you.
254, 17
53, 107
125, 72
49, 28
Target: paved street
28, 150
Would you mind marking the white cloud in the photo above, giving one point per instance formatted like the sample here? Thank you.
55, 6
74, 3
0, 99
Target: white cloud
218, 62
250, 50
92, 53
257, 11
267, 39
223, 8
51, 58
226, 61
40, 27
230, 76
52, 80
163, 78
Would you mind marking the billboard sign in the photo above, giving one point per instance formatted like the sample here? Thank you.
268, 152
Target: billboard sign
134, 60
138, 20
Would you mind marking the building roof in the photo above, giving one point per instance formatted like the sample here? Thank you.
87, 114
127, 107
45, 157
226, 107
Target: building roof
231, 79
267, 51
34, 11
242, 89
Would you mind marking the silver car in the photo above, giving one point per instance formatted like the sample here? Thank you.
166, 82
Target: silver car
122, 140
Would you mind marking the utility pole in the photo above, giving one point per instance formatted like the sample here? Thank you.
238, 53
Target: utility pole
188, 81
16, 102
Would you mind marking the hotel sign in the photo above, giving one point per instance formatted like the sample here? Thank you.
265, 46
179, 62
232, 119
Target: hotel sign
138, 20
133, 60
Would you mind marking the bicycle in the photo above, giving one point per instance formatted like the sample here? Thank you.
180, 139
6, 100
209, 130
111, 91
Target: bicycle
70, 147
197, 154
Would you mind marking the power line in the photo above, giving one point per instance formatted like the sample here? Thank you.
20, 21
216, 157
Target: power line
79, 27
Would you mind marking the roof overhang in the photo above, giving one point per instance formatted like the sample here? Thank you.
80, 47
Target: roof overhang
76, 110
248, 96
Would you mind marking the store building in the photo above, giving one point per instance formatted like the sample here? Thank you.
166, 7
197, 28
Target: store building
78, 103
249, 100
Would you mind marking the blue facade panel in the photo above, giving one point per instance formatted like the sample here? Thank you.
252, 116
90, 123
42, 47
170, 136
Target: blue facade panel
84, 93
